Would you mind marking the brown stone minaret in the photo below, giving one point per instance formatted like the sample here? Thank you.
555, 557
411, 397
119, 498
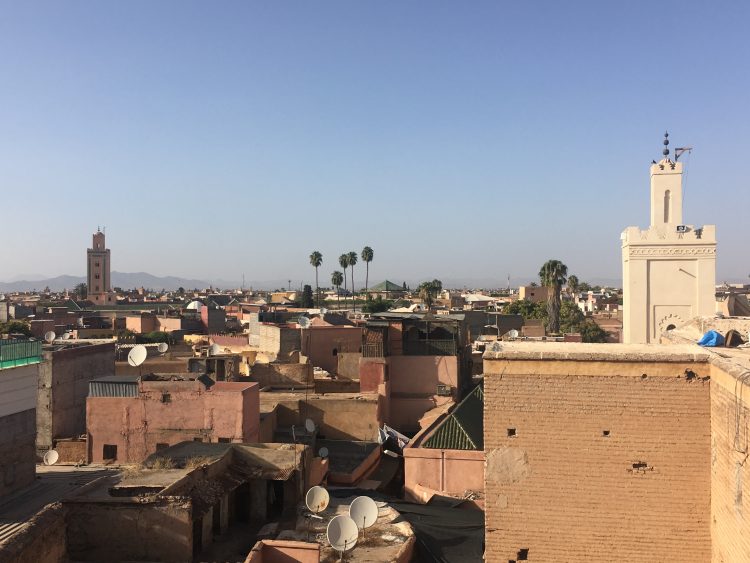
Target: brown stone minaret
99, 285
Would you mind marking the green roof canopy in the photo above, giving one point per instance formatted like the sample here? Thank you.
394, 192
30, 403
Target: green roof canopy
387, 286
463, 429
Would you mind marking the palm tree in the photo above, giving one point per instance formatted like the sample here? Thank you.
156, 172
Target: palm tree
316, 259
336, 279
351, 259
367, 255
552, 275
344, 263
573, 284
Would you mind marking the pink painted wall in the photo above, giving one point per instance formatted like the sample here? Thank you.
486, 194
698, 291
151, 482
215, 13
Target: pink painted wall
137, 424
449, 472
421, 374
284, 551
319, 342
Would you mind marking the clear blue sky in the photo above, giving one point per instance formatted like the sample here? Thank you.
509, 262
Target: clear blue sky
458, 139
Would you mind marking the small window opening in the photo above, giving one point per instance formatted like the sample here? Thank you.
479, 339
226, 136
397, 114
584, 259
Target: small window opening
109, 451
335, 352
523, 554
166, 398
225, 440
644, 376
511, 432
671, 327
605, 433
640, 465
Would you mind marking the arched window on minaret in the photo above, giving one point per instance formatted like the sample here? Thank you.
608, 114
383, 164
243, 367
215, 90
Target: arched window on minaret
667, 204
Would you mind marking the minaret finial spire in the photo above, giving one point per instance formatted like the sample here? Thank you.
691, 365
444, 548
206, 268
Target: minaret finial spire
665, 152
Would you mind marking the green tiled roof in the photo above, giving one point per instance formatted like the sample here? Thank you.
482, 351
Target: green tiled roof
387, 286
463, 429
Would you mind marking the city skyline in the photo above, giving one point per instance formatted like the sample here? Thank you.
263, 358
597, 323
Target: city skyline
244, 138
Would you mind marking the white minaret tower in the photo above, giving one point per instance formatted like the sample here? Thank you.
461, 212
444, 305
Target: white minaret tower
669, 269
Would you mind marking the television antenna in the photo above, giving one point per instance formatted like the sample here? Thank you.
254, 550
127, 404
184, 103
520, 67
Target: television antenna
342, 533
309, 425
51, 457
163, 347
304, 322
316, 500
364, 512
137, 356
323, 452
49, 336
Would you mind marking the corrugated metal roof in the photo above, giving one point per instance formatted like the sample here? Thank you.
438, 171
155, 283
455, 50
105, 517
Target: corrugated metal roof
463, 429
113, 387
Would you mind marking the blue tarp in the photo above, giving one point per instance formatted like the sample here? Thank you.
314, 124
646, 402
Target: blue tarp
712, 338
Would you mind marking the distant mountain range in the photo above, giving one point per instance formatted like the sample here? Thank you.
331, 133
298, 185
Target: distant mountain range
127, 280
119, 279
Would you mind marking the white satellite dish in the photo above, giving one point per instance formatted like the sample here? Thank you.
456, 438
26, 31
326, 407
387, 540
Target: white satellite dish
363, 511
214, 350
323, 452
317, 499
323, 311
513, 333
162, 347
49, 336
309, 425
137, 355
66, 335
304, 322
51, 457
342, 533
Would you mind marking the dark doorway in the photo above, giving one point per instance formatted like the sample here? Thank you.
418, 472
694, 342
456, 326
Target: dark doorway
109, 451
242, 503
197, 536
275, 499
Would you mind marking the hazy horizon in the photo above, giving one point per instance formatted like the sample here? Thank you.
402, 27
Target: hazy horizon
470, 141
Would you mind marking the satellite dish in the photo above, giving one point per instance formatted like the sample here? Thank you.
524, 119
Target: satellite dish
162, 347
137, 355
323, 311
513, 333
49, 336
317, 499
309, 425
304, 322
342, 533
51, 457
323, 452
364, 512
214, 350
66, 335
496, 347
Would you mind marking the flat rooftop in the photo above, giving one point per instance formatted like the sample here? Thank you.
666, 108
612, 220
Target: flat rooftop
53, 483
576, 351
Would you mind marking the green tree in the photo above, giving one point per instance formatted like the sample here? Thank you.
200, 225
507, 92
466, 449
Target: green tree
367, 255
337, 278
592, 332
15, 327
307, 297
316, 259
377, 305
527, 309
81, 290
429, 290
553, 275
573, 284
571, 317
352, 260
344, 263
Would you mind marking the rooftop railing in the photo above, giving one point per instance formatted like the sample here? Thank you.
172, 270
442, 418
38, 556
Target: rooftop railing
15, 353
429, 347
